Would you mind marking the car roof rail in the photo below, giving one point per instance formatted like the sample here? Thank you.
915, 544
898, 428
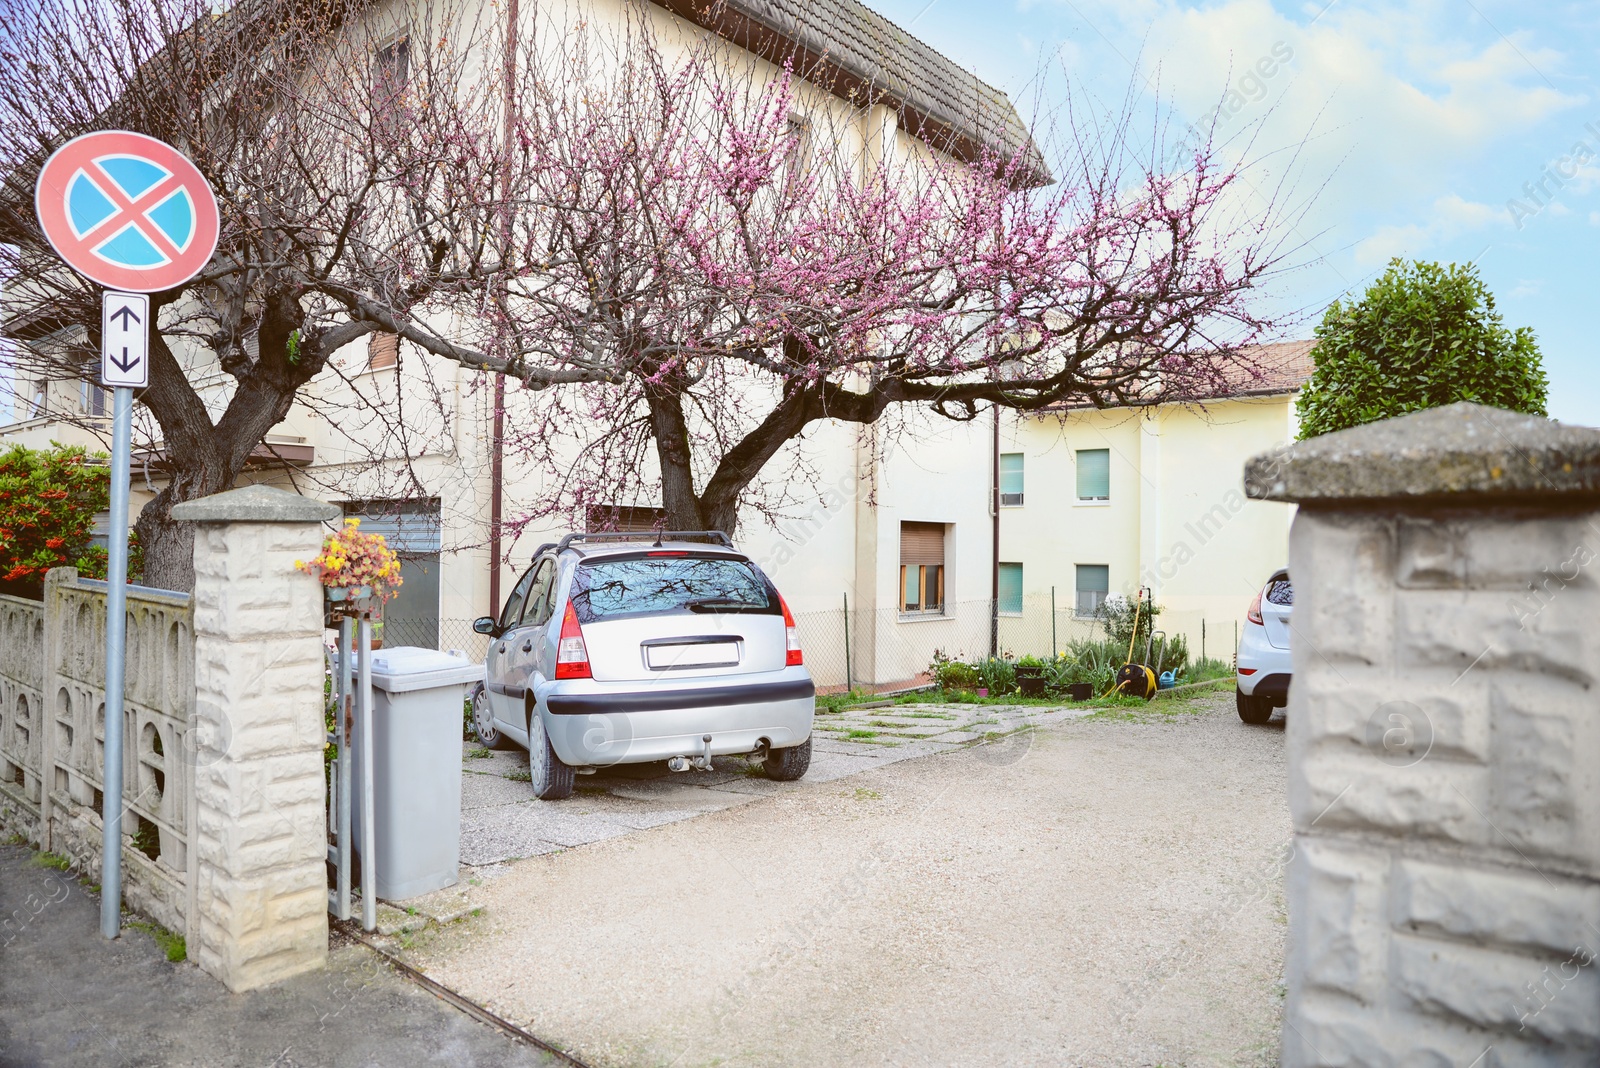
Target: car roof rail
541, 550
640, 535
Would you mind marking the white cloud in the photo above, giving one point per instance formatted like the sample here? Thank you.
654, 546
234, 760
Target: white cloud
1401, 96
1450, 217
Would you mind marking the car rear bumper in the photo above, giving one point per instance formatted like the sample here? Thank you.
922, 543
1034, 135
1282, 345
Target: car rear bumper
594, 724
1272, 666
1274, 689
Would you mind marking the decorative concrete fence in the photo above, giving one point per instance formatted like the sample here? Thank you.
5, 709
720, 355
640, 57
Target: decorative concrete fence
1444, 742
52, 734
225, 837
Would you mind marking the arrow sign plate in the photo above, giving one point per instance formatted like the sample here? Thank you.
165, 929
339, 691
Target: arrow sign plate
124, 340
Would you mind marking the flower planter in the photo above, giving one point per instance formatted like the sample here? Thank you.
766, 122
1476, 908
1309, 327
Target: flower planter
1080, 691
347, 601
1031, 685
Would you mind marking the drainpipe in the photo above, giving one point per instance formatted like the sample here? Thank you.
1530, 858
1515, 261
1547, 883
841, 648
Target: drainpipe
497, 437
994, 574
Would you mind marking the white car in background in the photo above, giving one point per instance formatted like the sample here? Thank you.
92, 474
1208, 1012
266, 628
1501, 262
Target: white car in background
1261, 664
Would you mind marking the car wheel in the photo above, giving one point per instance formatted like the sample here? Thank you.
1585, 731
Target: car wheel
552, 777
483, 727
787, 765
1252, 709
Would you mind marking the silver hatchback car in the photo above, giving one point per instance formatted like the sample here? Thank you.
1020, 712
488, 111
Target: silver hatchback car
620, 649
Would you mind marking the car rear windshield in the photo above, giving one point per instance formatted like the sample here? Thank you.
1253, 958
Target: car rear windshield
1280, 592
657, 584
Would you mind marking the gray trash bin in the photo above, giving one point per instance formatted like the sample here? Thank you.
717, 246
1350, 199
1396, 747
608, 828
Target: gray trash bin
416, 769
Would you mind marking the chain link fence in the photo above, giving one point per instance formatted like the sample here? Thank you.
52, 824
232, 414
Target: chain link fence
451, 635
888, 649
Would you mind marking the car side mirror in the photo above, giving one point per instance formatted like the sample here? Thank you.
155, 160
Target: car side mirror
484, 625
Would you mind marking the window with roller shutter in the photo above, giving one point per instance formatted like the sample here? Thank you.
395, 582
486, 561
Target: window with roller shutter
922, 568
412, 529
383, 350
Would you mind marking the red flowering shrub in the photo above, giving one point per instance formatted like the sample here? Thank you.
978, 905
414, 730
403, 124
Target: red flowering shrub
48, 501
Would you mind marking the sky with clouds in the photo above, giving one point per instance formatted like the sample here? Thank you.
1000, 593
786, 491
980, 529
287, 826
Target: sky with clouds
1452, 130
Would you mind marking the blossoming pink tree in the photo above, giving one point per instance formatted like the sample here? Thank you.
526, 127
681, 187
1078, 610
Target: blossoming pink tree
722, 277
638, 230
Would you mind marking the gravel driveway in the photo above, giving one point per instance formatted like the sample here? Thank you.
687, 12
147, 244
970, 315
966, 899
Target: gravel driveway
1104, 891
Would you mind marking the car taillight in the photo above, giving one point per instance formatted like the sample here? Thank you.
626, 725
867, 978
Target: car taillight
572, 656
791, 636
1254, 615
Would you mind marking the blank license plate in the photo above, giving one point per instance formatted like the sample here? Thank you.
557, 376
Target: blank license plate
706, 654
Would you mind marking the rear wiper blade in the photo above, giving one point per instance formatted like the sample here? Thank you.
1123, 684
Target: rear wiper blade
715, 602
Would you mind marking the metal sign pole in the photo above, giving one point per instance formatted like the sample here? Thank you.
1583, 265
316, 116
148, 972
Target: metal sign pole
116, 642
124, 365
81, 230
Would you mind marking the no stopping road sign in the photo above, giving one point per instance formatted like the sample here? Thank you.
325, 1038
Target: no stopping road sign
127, 211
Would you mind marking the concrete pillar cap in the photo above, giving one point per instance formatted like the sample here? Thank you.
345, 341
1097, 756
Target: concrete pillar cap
256, 504
1462, 453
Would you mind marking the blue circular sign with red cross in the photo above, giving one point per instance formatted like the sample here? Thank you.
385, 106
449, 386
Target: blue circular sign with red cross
127, 211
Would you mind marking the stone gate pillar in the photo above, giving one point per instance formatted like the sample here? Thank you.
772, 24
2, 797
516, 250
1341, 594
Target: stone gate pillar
1444, 741
260, 827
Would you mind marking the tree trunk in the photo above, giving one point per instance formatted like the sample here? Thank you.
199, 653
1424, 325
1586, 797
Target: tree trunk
168, 548
678, 499
206, 457
167, 544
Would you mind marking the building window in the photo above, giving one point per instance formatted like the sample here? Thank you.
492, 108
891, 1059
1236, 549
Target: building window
1094, 474
413, 530
1011, 589
91, 399
1010, 479
383, 350
922, 567
1094, 582
38, 399
798, 163
391, 64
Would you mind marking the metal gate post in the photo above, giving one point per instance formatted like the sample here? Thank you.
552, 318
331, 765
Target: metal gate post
849, 679
346, 770
369, 823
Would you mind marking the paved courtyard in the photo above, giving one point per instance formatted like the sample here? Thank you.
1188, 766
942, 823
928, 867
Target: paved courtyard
1103, 890
502, 820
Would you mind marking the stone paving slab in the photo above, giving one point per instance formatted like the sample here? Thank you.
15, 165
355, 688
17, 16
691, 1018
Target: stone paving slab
481, 789
692, 799
755, 787
828, 766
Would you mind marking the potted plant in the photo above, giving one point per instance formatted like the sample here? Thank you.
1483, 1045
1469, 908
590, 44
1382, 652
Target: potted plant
1030, 676
358, 572
997, 676
956, 677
